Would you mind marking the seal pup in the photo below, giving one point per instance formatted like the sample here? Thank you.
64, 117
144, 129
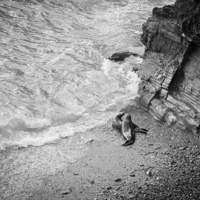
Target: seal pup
119, 57
128, 130
117, 121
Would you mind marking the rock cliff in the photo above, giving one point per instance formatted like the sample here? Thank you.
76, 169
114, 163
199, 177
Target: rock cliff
170, 73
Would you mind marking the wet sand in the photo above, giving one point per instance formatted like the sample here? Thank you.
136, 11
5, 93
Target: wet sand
94, 165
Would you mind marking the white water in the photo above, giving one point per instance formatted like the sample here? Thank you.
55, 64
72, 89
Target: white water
55, 79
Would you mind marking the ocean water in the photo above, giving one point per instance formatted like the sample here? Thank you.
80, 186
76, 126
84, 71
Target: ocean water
55, 78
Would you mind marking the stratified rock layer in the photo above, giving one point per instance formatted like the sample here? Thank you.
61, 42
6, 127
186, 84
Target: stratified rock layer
170, 73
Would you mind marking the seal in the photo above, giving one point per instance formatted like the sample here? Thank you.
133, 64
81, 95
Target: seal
117, 121
123, 123
128, 130
119, 57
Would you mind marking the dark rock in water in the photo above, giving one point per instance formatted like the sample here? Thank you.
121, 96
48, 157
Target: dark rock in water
170, 86
121, 56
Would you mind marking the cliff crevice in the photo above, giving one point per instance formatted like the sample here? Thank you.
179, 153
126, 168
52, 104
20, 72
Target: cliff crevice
170, 73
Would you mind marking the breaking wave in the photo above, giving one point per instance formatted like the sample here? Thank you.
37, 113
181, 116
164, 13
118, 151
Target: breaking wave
55, 77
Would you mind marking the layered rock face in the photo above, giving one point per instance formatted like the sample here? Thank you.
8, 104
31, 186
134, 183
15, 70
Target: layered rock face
170, 73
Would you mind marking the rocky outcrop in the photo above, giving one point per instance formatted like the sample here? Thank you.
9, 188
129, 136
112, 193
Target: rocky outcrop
170, 87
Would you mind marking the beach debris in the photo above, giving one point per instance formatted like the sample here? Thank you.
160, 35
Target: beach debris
182, 148
118, 187
132, 174
91, 181
156, 148
173, 162
139, 187
149, 172
91, 140
109, 188
158, 178
118, 180
67, 191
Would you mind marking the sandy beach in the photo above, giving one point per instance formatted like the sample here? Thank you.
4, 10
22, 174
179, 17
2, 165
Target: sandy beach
164, 164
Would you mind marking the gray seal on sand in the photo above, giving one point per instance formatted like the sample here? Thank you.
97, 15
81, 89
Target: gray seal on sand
124, 124
117, 121
128, 130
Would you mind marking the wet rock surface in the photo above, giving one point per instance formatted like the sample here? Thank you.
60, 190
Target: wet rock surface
170, 72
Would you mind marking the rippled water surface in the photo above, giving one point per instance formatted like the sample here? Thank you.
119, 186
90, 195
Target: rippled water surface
55, 79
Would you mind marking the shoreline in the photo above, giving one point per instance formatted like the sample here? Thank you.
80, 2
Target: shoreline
94, 165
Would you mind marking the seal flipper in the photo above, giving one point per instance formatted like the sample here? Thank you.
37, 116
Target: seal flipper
128, 142
141, 130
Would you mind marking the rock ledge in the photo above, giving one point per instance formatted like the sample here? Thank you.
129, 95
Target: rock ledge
170, 73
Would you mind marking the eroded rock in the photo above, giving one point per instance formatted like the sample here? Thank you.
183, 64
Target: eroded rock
170, 73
